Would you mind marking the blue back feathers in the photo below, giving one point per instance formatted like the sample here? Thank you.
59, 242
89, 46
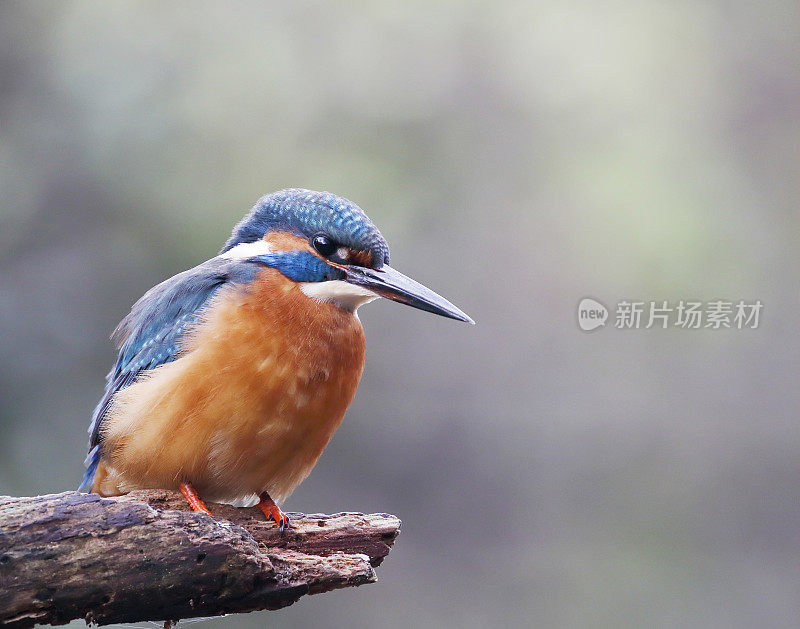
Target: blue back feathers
152, 333
309, 213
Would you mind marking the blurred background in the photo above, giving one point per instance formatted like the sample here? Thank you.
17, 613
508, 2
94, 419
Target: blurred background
518, 157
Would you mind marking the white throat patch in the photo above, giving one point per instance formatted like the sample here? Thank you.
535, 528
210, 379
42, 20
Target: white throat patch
343, 294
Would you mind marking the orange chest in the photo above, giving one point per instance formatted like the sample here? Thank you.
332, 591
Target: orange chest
285, 355
265, 380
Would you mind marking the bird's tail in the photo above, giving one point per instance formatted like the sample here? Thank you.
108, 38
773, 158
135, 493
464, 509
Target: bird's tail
92, 459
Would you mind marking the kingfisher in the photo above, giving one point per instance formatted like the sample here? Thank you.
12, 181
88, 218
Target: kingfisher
232, 377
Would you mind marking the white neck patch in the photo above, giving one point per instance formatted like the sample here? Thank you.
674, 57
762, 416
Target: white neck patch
245, 250
342, 294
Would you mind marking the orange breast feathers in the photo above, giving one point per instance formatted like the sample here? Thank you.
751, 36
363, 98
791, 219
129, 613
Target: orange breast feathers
265, 380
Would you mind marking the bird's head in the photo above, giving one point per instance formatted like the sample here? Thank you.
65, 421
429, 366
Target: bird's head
328, 245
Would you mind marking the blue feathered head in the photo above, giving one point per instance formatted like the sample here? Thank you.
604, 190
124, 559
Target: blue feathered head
310, 214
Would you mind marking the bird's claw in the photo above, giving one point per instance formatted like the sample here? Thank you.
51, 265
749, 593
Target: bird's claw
280, 518
273, 512
195, 502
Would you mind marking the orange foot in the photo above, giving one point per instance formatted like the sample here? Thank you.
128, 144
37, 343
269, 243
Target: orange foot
271, 510
195, 502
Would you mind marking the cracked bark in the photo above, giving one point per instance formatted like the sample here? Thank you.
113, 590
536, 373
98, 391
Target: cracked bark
144, 557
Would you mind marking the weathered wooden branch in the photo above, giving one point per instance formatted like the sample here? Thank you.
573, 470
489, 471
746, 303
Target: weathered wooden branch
145, 557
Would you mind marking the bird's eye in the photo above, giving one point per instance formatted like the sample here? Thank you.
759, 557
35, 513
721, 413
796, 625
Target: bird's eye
324, 245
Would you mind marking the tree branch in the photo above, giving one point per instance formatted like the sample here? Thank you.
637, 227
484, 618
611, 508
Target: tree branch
143, 556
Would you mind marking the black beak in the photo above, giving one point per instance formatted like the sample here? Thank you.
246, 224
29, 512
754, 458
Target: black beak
393, 285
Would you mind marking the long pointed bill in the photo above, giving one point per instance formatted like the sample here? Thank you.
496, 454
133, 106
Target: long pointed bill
393, 285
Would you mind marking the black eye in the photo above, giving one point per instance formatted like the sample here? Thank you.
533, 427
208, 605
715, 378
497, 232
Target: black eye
324, 245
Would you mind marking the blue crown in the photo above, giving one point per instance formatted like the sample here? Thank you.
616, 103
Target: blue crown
308, 214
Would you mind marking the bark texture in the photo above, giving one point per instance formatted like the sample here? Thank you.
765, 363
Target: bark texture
143, 557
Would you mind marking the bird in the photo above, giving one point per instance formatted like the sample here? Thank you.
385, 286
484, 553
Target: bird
231, 377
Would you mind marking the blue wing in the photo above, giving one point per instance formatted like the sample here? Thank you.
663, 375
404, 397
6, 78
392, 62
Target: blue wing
153, 332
